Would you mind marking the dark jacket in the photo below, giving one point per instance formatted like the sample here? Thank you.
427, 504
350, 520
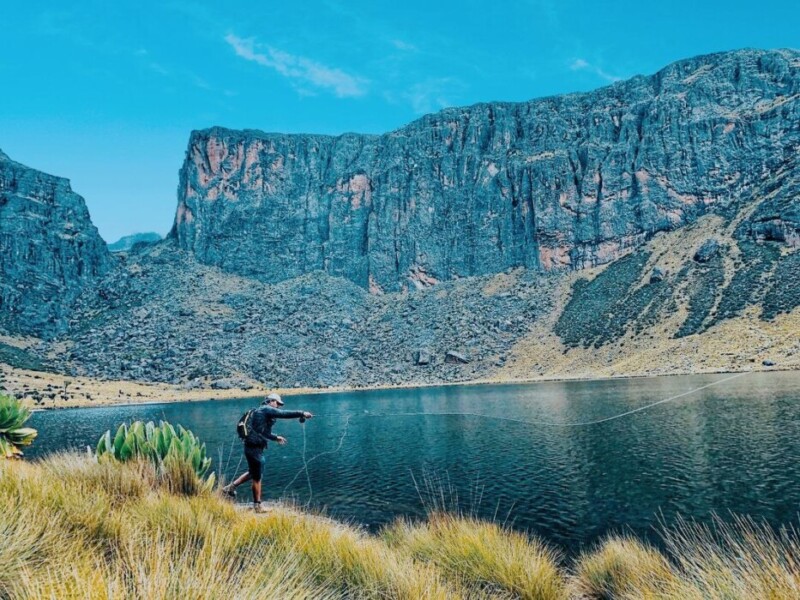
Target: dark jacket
261, 422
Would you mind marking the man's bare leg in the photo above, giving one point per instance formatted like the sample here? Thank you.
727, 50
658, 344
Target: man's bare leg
241, 479
230, 489
256, 492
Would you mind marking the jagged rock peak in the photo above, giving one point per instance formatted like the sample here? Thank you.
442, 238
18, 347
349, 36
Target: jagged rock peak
49, 249
568, 181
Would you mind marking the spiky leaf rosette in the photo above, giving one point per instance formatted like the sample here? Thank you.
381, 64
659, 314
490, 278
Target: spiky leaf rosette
13, 436
162, 444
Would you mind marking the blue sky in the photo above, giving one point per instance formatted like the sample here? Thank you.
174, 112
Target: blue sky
106, 93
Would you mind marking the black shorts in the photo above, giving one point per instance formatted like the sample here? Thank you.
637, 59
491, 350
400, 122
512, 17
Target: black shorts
255, 461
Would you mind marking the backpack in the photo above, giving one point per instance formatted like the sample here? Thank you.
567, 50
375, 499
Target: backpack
243, 426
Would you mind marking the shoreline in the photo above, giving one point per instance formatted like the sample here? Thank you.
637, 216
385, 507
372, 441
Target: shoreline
167, 394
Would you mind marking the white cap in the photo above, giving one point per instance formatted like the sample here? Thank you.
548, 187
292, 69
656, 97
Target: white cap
276, 398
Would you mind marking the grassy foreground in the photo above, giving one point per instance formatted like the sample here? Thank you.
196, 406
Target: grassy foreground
71, 527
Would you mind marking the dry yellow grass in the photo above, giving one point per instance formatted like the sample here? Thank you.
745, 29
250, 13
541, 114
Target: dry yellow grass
740, 560
619, 567
482, 554
84, 391
734, 345
75, 528
501, 282
732, 561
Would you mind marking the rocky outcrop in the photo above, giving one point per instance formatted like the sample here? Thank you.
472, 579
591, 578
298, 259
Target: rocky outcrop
778, 217
707, 251
558, 183
49, 249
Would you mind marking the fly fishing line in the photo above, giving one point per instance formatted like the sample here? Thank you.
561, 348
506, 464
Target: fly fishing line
627, 413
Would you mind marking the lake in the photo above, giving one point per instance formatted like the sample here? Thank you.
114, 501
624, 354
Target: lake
733, 447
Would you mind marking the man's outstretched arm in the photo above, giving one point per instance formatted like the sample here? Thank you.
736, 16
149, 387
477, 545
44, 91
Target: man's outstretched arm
277, 413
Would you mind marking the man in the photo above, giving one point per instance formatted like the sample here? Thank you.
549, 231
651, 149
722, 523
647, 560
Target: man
259, 432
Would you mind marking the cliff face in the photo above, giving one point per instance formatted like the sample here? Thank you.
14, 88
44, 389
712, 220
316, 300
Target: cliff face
49, 249
687, 183
559, 183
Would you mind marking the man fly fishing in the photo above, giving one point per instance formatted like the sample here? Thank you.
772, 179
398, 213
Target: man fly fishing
255, 429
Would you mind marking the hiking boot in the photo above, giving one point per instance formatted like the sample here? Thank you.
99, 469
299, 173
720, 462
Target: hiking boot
229, 492
259, 508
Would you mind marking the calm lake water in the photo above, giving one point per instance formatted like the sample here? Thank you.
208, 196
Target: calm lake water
730, 448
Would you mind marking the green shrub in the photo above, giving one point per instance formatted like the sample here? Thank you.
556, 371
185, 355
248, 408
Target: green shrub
179, 456
12, 433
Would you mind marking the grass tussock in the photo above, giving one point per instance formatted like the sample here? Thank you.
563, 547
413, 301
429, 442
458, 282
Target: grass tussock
621, 567
740, 560
482, 554
73, 527
733, 561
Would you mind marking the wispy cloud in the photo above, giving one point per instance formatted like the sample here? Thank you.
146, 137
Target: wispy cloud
199, 82
158, 68
404, 46
66, 24
178, 75
580, 64
429, 95
298, 68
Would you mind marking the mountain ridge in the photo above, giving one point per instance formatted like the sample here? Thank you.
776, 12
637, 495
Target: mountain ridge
552, 240
638, 157
213, 129
128, 242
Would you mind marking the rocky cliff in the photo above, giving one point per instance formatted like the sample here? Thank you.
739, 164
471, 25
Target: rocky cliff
49, 249
566, 182
654, 226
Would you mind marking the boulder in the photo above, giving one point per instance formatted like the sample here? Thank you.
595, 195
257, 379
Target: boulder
229, 383
707, 251
422, 357
657, 275
455, 358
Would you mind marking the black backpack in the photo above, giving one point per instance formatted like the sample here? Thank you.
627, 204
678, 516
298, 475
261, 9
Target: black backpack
243, 426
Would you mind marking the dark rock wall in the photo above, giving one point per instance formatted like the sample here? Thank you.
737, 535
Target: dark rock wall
49, 249
563, 182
